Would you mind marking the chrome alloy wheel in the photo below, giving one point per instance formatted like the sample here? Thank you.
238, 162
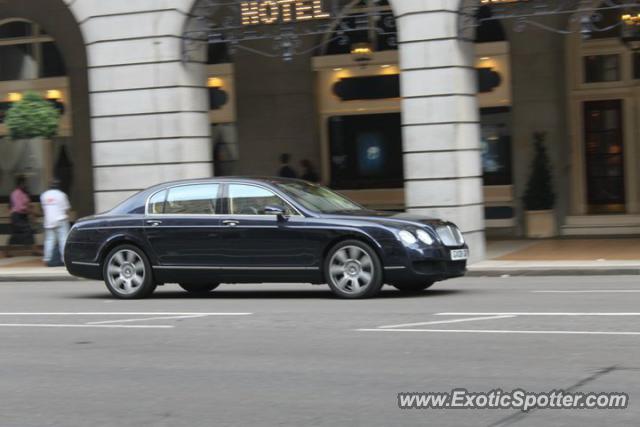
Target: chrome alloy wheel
125, 272
351, 269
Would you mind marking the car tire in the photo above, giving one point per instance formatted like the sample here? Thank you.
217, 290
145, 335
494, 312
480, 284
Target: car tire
353, 270
412, 287
198, 288
127, 273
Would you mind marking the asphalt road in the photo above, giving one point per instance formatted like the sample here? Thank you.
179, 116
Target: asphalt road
268, 355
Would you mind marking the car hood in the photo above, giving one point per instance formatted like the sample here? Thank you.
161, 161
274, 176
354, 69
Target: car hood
387, 217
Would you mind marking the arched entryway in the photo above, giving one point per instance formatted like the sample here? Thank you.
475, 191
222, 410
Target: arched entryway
56, 50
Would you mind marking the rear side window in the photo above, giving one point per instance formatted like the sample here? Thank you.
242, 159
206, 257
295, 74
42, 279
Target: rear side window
197, 199
156, 203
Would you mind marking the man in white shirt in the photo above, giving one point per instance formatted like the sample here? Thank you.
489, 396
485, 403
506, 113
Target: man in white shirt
55, 206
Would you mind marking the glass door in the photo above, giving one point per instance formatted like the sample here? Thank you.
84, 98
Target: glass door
604, 156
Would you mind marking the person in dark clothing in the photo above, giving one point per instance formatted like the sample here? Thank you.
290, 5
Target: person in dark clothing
286, 171
308, 171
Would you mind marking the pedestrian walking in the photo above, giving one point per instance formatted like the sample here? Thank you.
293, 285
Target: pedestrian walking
55, 206
20, 208
286, 171
308, 171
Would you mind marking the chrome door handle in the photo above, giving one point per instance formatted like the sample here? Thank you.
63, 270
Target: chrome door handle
154, 222
230, 222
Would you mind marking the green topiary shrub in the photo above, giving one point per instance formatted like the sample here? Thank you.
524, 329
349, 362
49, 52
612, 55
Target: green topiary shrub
539, 194
32, 117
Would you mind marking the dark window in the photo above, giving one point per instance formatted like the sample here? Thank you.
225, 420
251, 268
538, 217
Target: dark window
200, 199
366, 151
496, 145
52, 62
636, 65
218, 53
604, 155
489, 30
15, 29
18, 62
601, 68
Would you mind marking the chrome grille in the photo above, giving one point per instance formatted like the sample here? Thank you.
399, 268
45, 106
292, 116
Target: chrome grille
450, 235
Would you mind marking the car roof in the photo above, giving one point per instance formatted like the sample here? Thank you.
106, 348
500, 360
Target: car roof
248, 179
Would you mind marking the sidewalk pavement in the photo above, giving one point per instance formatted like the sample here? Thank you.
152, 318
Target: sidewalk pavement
555, 257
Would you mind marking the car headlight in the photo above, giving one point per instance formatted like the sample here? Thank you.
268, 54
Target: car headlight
424, 237
458, 234
407, 238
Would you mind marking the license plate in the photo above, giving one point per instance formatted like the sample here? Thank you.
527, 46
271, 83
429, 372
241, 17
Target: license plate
459, 254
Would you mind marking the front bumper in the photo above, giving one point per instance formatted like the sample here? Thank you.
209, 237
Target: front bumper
427, 264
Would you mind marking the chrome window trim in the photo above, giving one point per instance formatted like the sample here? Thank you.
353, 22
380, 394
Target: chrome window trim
146, 204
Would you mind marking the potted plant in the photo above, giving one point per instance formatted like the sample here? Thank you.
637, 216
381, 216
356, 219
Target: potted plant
539, 197
31, 123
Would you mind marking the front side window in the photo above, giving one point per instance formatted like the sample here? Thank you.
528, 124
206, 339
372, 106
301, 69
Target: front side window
156, 203
198, 199
252, 200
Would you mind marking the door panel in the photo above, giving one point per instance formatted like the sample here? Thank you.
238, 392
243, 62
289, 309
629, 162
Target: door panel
183, 229
251, 239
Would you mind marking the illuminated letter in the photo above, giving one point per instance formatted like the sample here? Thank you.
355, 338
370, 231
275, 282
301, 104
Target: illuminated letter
302, 10
287, 16
318, 12
269, 12
249, 11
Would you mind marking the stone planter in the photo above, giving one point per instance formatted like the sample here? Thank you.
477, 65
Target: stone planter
540, 224
32, 158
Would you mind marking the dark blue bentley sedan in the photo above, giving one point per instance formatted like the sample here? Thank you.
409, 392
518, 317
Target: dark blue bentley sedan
200, 233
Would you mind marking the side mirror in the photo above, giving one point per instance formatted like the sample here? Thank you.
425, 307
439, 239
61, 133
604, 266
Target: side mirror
275, 210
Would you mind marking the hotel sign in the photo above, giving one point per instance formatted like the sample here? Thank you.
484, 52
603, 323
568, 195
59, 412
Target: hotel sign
268, 12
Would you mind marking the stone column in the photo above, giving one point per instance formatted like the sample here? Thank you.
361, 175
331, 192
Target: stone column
149, 111
442, 158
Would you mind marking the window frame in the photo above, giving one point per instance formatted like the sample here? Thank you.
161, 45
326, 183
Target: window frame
36, 40
227, 201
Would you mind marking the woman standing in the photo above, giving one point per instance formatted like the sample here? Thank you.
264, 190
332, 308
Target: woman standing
20, 202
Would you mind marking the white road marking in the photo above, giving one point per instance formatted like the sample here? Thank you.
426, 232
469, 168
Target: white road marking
437, 322
54, 325
499, 331
111, 323
104, 322
121, 313
536, 314
593, 291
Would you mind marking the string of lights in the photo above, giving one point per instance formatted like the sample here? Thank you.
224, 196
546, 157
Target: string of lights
287, 23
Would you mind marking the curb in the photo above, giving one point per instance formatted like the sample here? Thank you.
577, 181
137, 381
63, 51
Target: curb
36, 278
541, 272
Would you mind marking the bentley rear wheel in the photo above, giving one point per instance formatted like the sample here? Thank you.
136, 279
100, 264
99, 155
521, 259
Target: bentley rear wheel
353, 270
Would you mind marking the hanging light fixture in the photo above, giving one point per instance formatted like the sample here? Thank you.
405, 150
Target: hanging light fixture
630, 30
362, 52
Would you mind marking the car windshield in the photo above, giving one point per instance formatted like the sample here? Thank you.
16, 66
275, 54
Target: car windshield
317, 198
